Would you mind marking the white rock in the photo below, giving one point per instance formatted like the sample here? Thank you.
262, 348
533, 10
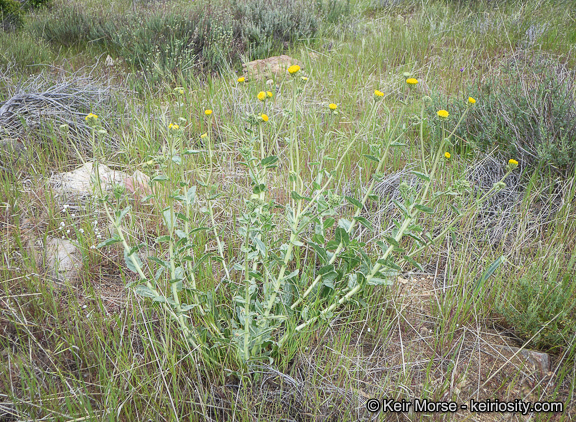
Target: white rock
63, 260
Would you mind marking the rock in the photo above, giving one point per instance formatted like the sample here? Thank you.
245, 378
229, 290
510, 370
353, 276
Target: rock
81, 183
540, 360
276, 66
63, 260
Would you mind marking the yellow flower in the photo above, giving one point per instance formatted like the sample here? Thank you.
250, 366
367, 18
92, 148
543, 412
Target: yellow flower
293, 69
208, 112
261, 95
332, 106
173, 126
447, 154
378, 93
179, 91
471, 100
264, 117
204, 135
91, 116
269, 93
512, 164
411, 81
304, 78
241, 79
443, 114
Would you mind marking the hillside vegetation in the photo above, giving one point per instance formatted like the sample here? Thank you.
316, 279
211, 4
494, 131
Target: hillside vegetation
391, 216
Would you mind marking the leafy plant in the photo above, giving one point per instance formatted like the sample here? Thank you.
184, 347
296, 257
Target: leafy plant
275, 295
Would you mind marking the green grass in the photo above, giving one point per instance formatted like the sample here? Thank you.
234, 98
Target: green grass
97, 350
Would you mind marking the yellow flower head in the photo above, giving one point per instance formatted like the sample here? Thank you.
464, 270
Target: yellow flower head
447, 154
378, 93
512, 164
471, 100
208, 112
269, 93
264, 117
241, 79
332, 106
443, 114
179, 91
173, 126
411, 81
261, 95
204, 135
304, 78
293, 69
91, 116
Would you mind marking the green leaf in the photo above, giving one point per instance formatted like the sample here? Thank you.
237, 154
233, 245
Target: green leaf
491, 269
319, 250
260, 245
143, 290
257, 189
422, 176
392, 241
269, 161
329, 222
414, 263
161, 239
402, 208
129, 263
192, 151
424, 208
342, 236
191, 195
389, 264
169, 217
354, 202
296, 196
376, 281
364, 222
159, 178
114, 239
181, 234
158, 261
371, 157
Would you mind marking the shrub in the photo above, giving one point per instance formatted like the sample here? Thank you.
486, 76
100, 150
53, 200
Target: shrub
526, 109
11, 15
22, 50
542, 306
270, 26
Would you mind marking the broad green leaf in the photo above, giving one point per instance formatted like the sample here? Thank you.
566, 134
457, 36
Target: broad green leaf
329, 222
169, 218
424, 208
371, 157
159, 178
354, 202
364, 222
143, 290
269, 161
342, 236
191, 195
402, 208
421, 176
108, 242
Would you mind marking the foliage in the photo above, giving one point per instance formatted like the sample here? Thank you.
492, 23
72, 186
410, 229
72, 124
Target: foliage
11, 15
23, 51
276, 295
541, 308
269, 26
527, 109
